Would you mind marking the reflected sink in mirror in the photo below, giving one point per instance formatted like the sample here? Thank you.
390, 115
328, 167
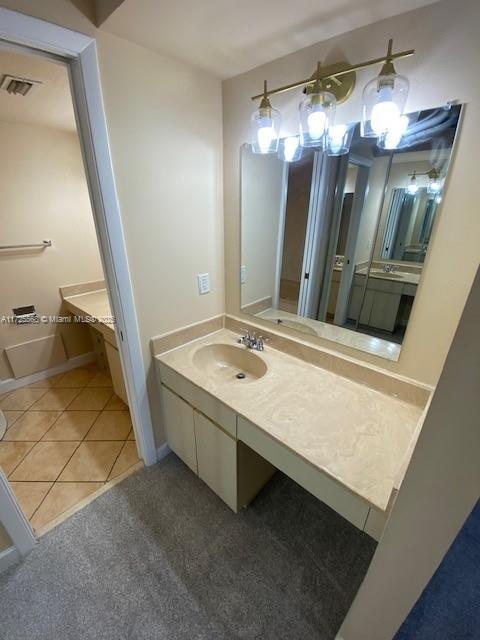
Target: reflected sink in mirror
224, 362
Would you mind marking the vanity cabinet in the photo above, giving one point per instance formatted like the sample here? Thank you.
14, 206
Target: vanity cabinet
180, 428
230, 468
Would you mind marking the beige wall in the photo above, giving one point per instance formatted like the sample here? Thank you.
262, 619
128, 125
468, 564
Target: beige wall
165, 131
445, 36
44, 196
261, 201
440, 489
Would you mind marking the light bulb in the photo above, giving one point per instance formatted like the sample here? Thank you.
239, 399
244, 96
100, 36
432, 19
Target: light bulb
290, 146
435, 186
316, 124
336, 135
384, 112
265, 135
412, 188
438, 199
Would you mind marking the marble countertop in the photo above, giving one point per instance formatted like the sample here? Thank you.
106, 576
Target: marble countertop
396, 276
353, 433
362, 341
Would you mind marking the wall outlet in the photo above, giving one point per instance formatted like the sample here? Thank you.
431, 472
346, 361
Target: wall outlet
203, 283
243, 274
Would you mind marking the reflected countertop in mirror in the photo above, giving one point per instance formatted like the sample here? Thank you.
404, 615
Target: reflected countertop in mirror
334, 246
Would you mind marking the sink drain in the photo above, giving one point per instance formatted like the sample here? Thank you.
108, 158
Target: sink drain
240, 376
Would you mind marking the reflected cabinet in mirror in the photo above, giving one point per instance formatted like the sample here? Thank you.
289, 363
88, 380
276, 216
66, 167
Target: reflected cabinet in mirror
334, 246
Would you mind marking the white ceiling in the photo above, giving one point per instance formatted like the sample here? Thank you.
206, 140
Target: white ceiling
228, 37
49, 104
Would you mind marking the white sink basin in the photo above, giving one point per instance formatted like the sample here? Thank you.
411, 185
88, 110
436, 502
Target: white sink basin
228, 363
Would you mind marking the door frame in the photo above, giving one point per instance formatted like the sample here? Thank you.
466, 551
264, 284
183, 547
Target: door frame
79, 53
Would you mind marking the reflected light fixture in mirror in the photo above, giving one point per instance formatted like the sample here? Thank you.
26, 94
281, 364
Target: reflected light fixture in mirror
265, 126
289, 149
412, 186
339, 139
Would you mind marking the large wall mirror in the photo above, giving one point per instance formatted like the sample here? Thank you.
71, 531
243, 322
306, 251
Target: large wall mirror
334, 246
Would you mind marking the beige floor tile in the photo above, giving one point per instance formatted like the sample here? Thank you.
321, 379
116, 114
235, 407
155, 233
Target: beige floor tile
12, 417
30, 494
92, 461
91, 399
100, 380
21, 399
31, 426
48, 383
72, 425
12, 453
116, 404
131, 435
62, 496
111, 425
44, 462
75, 378
127, 458
56, 399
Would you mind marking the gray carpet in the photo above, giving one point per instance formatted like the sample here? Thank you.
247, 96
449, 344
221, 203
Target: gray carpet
161, 557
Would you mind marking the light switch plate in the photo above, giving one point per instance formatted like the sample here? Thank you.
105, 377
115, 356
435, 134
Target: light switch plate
243, 274
203, 283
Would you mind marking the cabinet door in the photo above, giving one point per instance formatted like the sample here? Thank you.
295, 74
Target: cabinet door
384, 310
217, 459
115, 366
179, 427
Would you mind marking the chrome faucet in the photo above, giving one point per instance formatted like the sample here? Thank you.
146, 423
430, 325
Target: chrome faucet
390, 268
251, 340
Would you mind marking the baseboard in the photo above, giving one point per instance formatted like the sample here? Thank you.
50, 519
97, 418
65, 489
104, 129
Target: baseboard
8, 557
71, 363
162, 451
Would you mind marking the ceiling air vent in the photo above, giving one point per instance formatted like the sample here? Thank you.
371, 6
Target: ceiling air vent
17, 86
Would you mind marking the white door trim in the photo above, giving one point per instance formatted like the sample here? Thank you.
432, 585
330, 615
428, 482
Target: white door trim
14, 521
79, 52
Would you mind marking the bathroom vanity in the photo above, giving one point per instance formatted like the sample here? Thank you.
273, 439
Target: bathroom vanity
342, 430
90, 300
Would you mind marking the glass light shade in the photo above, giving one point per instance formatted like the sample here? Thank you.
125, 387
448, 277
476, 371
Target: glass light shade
265, 130
392, 138
338, 139
412, 186
289, 149
384, 100
317, 112
435, 186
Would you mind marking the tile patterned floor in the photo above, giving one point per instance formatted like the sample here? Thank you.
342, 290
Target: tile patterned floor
67, 436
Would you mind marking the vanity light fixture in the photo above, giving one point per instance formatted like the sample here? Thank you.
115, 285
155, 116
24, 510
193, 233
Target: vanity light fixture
290, 149
384, 99
412, 186
317, 112
435, 184
265, 126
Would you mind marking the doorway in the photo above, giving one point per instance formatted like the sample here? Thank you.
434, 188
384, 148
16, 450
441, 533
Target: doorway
29, 37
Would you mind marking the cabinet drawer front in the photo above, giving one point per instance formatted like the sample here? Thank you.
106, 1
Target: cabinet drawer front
351, 507
179, 427
203, 401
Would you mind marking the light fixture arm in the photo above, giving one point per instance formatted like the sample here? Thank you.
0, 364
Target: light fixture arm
327, 74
